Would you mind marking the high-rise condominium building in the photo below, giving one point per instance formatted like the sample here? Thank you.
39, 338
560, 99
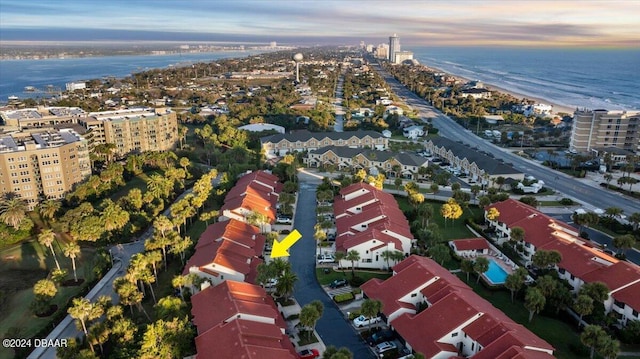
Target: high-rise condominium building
133, 130
42, 164
394, 46
600, 129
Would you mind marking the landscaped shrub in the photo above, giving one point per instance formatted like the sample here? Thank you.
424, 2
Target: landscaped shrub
344, 297
356, 291
566, 201
356, 281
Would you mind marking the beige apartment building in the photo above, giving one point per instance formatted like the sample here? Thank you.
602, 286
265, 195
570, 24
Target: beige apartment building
133, 130
41, 117
598, 129
42, 164
280, 144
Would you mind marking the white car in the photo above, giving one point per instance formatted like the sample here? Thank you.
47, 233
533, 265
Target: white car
326, 258
385, 347
284, 220
361, 321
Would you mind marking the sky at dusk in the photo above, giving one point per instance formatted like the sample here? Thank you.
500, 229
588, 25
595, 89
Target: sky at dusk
584, 23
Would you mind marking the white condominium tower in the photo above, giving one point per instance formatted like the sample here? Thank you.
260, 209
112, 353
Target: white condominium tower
394, 46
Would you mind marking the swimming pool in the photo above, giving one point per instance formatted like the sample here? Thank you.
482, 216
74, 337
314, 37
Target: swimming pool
496, 274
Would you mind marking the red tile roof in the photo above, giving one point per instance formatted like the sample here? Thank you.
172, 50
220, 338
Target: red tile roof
243, 339
344, 243
229, 299
471, 244
629, 296
453, 304
257, 192
576, 259
615, 276
360, 186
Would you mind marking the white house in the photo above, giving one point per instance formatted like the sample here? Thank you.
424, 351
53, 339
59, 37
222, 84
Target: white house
413, 132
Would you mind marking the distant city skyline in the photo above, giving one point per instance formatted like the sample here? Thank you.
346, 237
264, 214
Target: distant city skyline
438, 23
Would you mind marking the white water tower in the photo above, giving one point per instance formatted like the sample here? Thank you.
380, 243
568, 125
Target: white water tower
297, 58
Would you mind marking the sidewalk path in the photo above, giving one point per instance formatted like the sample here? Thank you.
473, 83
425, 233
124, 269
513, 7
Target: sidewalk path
121, 254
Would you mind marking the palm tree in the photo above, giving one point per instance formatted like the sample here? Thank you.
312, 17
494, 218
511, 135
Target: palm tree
591, 336
353, 256
514, 283
480, 266
439, 253
286, 282
46, 238
71, 250
13, 210
624, 241
583, 305
386, 255
44, 290
370, 308
534, 301
84, 311
180, 246
466, 266
49, 208
309, 315
153, 258
339, 255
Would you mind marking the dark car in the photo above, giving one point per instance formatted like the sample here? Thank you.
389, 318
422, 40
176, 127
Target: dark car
379, 337
338, 283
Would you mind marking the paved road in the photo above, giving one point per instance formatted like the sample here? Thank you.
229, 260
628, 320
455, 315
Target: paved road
333, 328
121, 255
583, 193
337, 105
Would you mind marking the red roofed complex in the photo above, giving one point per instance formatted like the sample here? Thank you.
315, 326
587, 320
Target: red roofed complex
239, 320
227, 250
256, 192
370, 222
456, 322
581, 261
469, 247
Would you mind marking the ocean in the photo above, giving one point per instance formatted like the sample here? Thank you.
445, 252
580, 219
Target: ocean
589, 78
15, 75
585, 78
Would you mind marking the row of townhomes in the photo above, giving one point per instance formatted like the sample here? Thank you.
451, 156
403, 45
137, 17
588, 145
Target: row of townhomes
581, 262
439, 316
478, 166
299, 141
390, 163
234, 316
45, 151
370, 222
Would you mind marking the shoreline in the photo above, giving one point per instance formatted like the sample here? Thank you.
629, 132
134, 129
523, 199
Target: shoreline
557, 108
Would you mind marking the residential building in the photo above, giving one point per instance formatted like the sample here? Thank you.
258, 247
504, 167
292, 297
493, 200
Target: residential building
476, 93
133, 130
478, 166
298, 141
259, 127
42, 164
239, 320
227, 250
413, 132
256, 192
39, 117
402, 56
602, 128
392, 164
369, 221
470, 247
439, 316
581, 262
394, 47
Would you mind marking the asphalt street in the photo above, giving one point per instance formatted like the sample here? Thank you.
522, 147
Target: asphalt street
333, 327
589, 196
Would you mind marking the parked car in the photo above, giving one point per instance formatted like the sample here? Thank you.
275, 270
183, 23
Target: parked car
361, 321
326, 258
338, 283
308, 354
284, 220
381, 336
385, 347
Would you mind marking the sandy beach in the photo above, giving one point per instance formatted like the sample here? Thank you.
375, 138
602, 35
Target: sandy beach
556, 107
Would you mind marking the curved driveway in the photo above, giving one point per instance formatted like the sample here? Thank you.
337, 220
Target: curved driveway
583, 193
333, 328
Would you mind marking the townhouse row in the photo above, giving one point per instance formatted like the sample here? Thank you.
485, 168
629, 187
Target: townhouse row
369, 221
581, 263
234, 316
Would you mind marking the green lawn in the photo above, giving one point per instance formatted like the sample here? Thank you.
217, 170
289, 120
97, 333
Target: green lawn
450, 230
139, 181
326, 278
556, 332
